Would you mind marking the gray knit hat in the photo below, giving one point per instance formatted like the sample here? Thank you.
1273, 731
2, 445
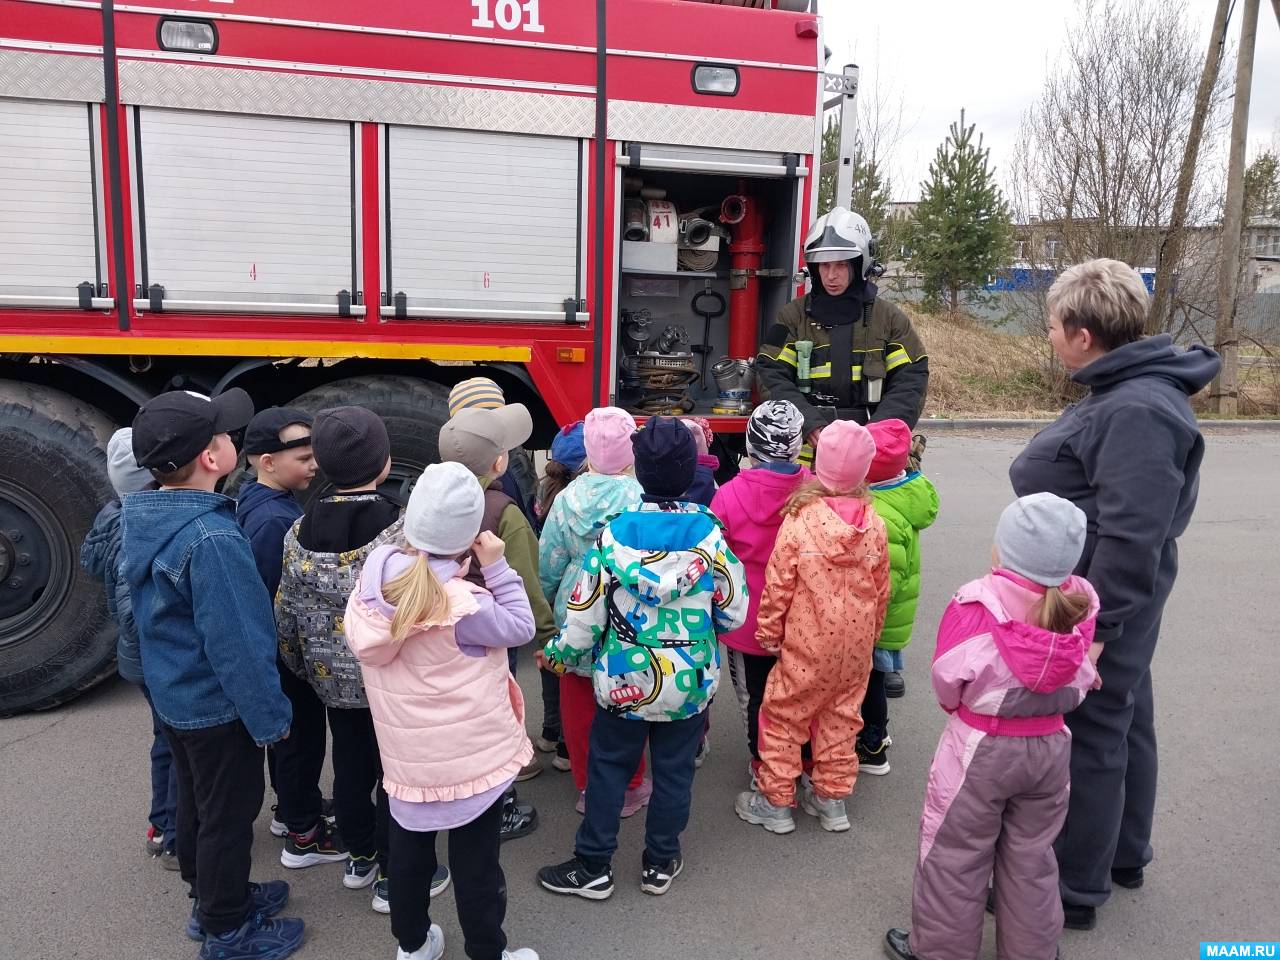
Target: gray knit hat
1041, 537
122, 469
445, 510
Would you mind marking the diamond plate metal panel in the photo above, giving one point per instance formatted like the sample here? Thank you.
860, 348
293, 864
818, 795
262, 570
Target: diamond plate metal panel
50, 76
231, 90
710, 127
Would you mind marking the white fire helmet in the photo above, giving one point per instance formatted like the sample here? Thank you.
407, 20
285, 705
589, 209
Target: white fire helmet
840, 235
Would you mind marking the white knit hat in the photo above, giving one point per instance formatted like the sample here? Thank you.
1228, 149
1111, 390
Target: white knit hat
122, 469
445, 510
1041, 537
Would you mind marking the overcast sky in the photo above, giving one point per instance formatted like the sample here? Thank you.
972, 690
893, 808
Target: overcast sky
991, 59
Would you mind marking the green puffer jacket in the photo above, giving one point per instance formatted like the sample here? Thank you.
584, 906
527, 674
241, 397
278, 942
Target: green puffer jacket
907, 504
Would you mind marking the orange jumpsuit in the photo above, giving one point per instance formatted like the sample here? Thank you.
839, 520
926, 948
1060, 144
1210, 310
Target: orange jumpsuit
825, 594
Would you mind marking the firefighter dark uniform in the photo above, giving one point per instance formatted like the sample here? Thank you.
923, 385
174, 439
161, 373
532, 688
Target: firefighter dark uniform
872, 367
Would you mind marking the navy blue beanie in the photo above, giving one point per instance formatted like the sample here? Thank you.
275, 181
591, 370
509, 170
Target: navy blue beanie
666, 458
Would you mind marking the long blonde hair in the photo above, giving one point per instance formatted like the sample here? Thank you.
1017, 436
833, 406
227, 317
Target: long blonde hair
1059, 611
418, 596
814, 490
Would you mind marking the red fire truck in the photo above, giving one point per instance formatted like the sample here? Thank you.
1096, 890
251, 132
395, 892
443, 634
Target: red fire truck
324, 203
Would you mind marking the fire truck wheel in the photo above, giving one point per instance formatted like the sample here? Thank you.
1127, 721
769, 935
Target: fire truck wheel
56, 639
413, 410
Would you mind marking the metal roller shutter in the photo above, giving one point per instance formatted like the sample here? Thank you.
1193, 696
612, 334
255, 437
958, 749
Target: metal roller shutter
241, 210
483, 224
48, 244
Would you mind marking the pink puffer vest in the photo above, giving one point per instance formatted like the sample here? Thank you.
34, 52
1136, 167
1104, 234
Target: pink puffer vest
449, 725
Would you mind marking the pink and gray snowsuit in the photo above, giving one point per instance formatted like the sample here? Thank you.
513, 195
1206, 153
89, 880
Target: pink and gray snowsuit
997, 793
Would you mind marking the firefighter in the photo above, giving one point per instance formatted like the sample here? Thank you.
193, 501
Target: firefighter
839, 352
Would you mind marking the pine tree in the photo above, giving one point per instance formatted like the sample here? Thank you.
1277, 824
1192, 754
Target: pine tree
1262, 186
870, 186
961, 233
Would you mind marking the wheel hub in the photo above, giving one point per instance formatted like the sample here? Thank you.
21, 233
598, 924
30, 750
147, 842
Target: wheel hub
28, 561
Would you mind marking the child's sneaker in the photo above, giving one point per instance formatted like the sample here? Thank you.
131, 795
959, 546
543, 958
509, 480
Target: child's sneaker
754, 807
581, 805
169, 860
265, 899
830, 813
874, 762
574, 877
704, 751
561, 760
633, 801
656, 877
360, 872
258, 939
898, 945
547, 742
431, 949
518, 819
277, 828
318, 845
524, 953
530, 769
382, 889
155, 841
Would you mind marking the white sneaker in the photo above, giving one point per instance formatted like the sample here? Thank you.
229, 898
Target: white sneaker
524, 953
831, 814
754, 807
433, 949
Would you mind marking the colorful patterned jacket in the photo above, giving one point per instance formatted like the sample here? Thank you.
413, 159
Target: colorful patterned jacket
310, 605
644, 617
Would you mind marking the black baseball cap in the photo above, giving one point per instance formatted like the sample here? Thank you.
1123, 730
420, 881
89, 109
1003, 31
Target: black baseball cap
170, 430
263, 435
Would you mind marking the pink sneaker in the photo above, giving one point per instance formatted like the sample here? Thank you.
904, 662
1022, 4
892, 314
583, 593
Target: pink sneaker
636, 800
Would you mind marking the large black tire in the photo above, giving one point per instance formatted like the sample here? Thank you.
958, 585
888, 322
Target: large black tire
56, 639
413, 410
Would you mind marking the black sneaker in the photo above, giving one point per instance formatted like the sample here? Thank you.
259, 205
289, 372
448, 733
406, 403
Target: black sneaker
1130, 878
318, 845
894, 685
897, 945
573, 877
656, 877
518, 819
360, 872
874, 762
169, 860
440, 881
1077, 917
155, 841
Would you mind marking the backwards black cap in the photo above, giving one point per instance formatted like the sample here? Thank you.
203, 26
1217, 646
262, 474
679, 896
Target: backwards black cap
263, 435
170, 430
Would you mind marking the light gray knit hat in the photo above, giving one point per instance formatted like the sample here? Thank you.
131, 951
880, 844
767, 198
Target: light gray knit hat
445, 510
1041, 537
122, 469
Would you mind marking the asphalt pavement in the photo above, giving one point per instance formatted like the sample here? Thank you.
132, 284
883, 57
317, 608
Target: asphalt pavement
75, 881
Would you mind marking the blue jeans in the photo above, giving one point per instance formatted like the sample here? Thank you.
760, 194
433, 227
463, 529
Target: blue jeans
616, 747
164, 781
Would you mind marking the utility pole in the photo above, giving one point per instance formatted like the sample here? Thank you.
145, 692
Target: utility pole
1225, 392
1170, 254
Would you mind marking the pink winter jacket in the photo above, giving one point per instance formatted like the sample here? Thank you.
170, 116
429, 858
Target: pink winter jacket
448, 715
999, 674
750, 508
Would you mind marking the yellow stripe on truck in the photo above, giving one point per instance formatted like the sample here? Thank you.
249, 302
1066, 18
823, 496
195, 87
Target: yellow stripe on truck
217, 347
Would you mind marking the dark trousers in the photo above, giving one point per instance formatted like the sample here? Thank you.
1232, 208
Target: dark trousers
550, 704
616, 747
359, 802
875, 712
298, 762
749, 672
1113, 759
164, 780
479, 885
220, 788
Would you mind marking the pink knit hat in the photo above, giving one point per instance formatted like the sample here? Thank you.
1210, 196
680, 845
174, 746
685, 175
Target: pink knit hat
607, 437
845, 451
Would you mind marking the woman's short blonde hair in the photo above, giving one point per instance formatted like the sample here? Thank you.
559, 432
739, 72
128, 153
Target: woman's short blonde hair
1105, 297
